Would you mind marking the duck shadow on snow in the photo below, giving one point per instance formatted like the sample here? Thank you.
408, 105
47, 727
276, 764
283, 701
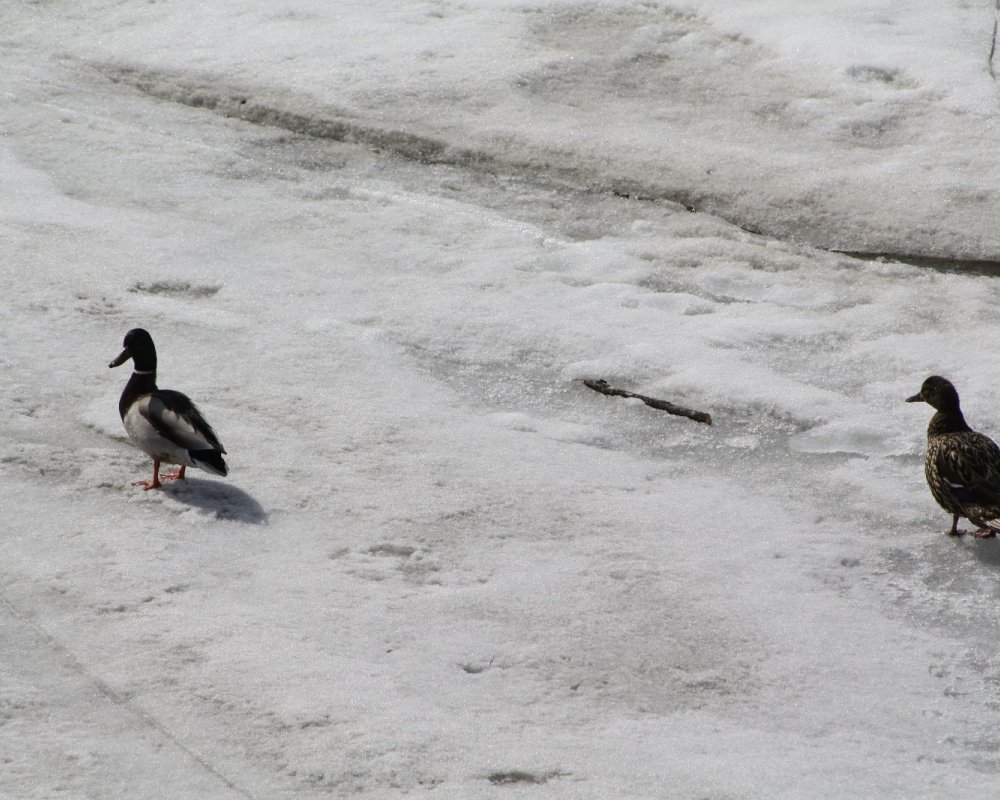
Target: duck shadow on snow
987, 552
224, 500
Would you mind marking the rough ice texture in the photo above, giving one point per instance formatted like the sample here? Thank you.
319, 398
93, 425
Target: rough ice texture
379, 244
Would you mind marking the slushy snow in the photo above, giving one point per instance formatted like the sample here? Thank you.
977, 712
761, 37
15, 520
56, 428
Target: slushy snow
380, 244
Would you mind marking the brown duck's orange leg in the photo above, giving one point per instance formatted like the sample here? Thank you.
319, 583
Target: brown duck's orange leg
984, 533
175, 476
954, 527
153, 484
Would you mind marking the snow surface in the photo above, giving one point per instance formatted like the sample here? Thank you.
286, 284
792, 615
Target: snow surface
379, 243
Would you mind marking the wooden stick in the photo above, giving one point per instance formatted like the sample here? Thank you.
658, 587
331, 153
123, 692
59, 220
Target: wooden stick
602, 386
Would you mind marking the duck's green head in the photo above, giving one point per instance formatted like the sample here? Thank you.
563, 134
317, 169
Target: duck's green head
938, 392
139, 347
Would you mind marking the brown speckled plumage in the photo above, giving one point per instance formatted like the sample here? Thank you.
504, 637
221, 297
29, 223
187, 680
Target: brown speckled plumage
962, 465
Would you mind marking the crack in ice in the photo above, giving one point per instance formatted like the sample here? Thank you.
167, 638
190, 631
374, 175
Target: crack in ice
118, 699
993, 40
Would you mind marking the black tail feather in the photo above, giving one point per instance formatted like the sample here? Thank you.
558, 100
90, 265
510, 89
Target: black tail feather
210, 461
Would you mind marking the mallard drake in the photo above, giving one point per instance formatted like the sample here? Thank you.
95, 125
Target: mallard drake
962, 466
163, 423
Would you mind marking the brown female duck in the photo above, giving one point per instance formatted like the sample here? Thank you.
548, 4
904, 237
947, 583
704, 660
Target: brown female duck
962, 466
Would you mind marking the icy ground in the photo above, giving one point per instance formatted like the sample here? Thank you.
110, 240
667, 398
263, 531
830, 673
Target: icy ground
379, 243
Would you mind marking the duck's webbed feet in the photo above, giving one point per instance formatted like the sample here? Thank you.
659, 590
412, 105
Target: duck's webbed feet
155, 482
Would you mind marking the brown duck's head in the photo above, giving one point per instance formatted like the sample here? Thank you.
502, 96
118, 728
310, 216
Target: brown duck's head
938, 392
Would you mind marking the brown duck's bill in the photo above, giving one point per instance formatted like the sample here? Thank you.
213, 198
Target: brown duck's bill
124, 356
915, 399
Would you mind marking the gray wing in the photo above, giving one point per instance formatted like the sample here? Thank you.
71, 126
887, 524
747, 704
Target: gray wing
176, 418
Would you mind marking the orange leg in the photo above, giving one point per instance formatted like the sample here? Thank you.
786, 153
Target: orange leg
153, 484
175, 476
954, 527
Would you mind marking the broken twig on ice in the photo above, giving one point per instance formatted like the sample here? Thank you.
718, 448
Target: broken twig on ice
602, 386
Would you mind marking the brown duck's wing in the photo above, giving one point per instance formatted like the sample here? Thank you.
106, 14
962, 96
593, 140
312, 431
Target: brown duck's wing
176, 418
969, 464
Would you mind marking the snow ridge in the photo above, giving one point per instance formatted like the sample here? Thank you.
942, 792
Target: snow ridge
306, 116
310, 118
